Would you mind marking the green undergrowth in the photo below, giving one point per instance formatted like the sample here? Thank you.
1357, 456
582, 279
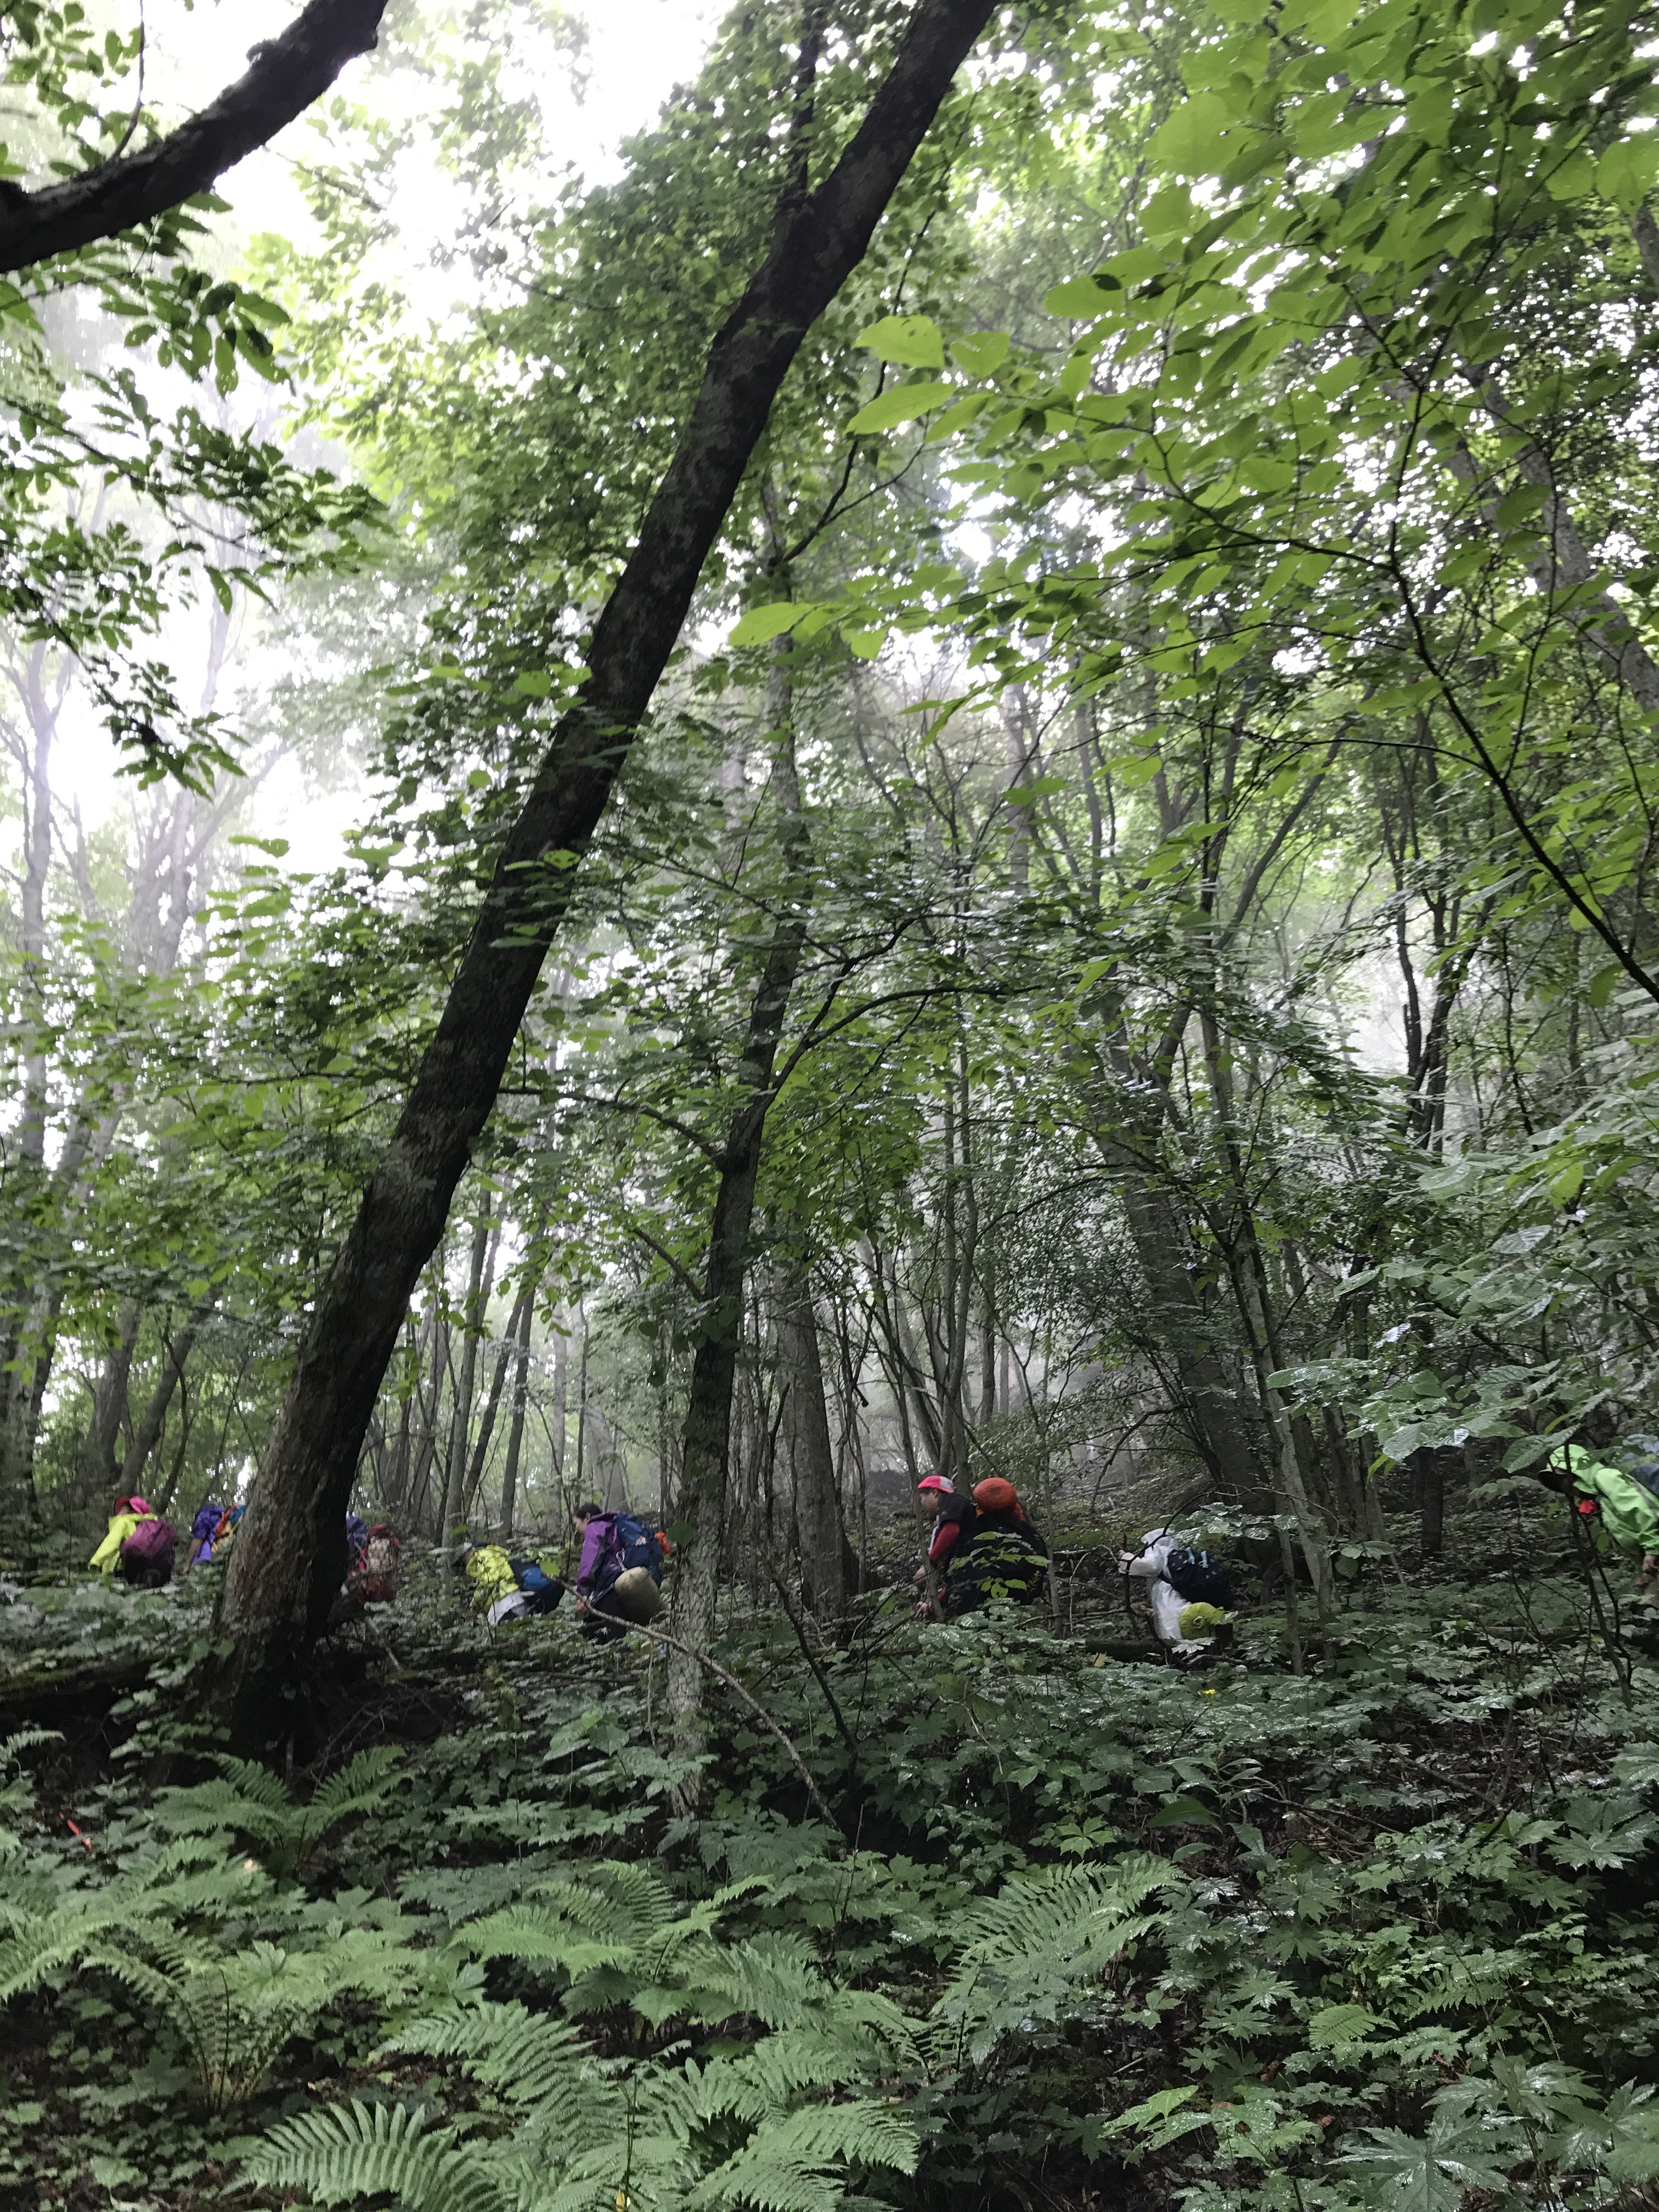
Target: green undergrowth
1377, 1935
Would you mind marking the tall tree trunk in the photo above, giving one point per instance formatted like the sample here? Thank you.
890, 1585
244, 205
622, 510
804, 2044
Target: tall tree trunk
705, 1456
520, 1394
1250, 1277
148, 1433
288, 1562
30, 1191
1206, 1397
482, 1268
505, 1359
109, 1405
427, 1452
558, 1418
396, 1491
920, 1428
827, 1568
1430, 1502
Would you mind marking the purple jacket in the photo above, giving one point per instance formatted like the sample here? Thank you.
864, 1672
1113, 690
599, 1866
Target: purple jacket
598, 1542
201, 1535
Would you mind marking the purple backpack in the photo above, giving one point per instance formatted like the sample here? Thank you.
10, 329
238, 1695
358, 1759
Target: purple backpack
149, 1549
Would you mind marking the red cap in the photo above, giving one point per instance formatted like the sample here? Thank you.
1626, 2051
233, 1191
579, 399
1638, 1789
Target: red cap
932, 1482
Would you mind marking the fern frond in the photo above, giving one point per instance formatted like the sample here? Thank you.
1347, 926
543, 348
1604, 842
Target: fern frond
359, 1787
778, 1981
210, 1808
13, 1746
623, 1899
543, 1936
254, 1783
533, 2060
1057, 1905
770, 2185
366, 2151
781, 2068
44, 1944
191, 1871
864, 2132
801, 2162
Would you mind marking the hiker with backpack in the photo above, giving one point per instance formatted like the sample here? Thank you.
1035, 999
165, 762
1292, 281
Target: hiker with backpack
372, 1552
1622, 1502
198, 1552
508, 1588
954, 1517
1005, 1559
1188, 1590
620, 1571
138, 1545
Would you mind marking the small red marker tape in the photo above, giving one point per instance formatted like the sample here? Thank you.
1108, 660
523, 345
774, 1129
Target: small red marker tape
85, 1842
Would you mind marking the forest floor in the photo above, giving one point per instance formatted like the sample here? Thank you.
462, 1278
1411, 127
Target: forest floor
1094, 1932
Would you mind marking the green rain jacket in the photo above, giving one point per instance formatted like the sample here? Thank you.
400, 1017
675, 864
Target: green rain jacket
1630, 1514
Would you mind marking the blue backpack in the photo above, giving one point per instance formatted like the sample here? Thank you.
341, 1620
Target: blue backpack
635, 1544
543, 1590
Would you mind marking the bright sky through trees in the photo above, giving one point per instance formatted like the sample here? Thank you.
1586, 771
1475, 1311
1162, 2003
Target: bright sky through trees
633, 53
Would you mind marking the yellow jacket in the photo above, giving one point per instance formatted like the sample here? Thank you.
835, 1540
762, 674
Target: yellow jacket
108, 1556
489, 1570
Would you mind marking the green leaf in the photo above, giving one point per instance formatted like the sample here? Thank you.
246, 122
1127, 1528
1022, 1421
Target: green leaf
1627, 173
981, 354
1409, 2173
914, 341
761, 624
1190, 142
1604, 982
1081, 297
1184, 1811
902, 405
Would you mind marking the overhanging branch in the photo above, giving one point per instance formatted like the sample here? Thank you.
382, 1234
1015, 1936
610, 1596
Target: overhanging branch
285, 75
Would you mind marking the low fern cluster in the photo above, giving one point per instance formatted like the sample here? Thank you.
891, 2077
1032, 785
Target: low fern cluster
177, 1930
1369, 1940
782, 2118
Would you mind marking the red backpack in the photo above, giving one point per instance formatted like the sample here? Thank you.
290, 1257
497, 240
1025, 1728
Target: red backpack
372, 1579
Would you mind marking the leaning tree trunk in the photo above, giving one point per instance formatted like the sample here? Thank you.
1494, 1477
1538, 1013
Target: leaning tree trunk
291, 1555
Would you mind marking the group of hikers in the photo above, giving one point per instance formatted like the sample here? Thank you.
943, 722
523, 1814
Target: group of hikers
141, 1544
982, 1550
619, 1573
